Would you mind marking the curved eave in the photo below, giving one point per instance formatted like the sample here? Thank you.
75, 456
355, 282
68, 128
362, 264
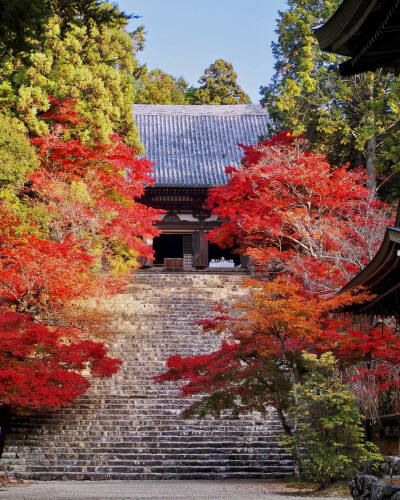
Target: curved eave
382, 260
380, 277
352, 67
366, 30
335, 34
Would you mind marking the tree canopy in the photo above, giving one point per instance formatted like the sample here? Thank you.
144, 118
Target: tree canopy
23, 22
218, 85
92, 64
70, 230
308, 228
294, 213
158, 87
349, 119
41, 367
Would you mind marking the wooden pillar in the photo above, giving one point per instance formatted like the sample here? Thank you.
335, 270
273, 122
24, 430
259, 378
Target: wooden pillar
203, 258
148, 262
244, 260
196, 248
200, 249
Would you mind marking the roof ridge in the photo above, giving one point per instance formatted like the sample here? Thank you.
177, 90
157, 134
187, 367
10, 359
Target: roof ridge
199, 110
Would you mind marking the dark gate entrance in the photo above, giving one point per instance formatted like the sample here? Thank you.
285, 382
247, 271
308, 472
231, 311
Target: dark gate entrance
167, 246
172, 246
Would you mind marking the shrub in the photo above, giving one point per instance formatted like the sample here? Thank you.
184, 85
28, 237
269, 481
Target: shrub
328, 440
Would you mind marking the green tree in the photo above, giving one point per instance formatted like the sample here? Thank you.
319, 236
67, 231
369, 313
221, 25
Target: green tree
92, 64
158, 87
327, 440
350, 119
18, 160
23, 22
17, 156
218, 85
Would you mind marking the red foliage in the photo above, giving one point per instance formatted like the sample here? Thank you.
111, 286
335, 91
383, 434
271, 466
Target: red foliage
110, 179
40, 367
263, 342
293, 213
87, 227
92, 220
309, 228
38, 274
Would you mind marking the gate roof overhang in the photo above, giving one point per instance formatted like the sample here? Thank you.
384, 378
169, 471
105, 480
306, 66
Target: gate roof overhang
368, 31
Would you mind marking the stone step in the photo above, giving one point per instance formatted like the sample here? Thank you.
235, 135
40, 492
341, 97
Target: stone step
120, 446
113, 446
152, 417
177, 468
64, 476
76, 452
156, 454
130, 427
146, 436
146, 429
117, 464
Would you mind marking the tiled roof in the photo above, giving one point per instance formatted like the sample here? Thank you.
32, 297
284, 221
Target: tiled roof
192, 145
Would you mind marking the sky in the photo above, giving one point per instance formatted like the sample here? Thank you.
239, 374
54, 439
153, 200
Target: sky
183, 37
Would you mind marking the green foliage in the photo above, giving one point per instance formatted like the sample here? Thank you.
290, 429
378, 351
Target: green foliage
157, 87
328, 440
17, 156
352, 119
23, 22
91, 64
218, 85
18, 160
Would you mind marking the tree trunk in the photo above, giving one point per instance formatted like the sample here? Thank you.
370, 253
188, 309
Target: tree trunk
296, 462
358, 158
283, 421
371, 155
288, 430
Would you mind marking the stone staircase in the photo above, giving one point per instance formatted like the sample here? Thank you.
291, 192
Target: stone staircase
128, 427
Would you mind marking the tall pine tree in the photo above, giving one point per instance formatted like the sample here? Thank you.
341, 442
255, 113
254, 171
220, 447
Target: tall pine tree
158, 87
218, 85
350, 119
23, 22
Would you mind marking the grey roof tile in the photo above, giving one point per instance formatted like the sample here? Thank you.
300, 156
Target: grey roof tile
192, 145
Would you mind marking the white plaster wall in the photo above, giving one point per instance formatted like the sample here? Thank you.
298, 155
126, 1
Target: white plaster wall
190, 218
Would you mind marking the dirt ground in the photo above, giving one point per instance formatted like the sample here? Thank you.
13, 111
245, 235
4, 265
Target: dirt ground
173, 489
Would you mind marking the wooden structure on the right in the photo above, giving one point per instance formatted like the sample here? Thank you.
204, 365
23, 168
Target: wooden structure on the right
381, 277
368, 32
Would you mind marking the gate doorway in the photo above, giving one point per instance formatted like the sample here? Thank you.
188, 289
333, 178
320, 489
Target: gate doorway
171, 246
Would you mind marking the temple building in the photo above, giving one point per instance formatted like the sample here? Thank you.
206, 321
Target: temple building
381, 277
368, 31
190, 147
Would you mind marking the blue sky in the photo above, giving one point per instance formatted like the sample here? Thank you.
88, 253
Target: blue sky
185, 36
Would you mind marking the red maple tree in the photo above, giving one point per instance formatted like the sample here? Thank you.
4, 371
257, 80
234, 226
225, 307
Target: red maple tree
41, 366
308, 227
84, 233
260, 358
293, 213
91, 191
